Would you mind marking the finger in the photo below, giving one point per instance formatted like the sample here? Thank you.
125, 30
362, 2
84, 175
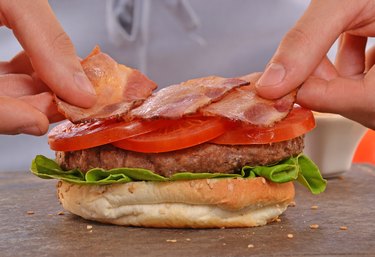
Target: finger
39, 83
350, 58
51, 52
325, 70
19, 64
44, 102
20, 117
16, 85
348, 97
304, 46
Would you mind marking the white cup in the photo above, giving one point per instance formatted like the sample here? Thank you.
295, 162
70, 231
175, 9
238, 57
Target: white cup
332, 144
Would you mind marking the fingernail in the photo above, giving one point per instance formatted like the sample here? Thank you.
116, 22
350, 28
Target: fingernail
273, 75
83, 83
31, 130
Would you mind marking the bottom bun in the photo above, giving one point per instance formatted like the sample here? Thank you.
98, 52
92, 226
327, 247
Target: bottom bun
204, 203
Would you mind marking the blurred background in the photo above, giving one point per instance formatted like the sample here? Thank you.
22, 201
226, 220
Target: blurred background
169, 40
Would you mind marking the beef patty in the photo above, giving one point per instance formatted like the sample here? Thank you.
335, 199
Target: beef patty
206, 157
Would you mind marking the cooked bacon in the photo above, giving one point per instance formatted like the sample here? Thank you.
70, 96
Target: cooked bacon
243, 104
125, 92
187, 98
118, 88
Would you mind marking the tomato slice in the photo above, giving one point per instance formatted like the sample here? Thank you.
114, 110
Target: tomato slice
71, 137
298, 122
185, 132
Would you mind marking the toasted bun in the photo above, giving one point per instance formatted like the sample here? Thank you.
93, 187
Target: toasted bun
204, 203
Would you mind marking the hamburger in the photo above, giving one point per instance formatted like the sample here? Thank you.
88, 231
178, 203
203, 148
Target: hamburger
204, 153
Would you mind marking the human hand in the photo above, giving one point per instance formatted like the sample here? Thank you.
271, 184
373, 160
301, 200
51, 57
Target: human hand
348, 86
48, 64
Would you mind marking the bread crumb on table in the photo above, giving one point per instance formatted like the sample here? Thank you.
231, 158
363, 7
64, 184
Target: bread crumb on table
343, 228
314, 226
290, 235
314, 207
89, 227
30, 212
171, 240
250, 246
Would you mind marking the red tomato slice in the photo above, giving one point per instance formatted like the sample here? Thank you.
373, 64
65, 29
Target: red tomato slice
298, 122
70, 137
185, 132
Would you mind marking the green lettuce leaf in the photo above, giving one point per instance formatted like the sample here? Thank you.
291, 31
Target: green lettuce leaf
299, 168
284, 171
309, 175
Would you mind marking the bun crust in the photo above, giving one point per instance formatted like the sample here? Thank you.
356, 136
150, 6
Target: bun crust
204, 203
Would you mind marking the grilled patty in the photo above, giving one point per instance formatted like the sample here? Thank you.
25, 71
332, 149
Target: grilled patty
206, 157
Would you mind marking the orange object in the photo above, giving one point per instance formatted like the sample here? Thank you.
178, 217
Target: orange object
365, 152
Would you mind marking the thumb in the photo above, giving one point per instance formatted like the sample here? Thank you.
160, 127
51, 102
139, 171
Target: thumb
49, 48
303, 47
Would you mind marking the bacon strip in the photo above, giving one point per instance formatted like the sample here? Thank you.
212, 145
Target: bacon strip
118, 88
243, 104
187, 98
